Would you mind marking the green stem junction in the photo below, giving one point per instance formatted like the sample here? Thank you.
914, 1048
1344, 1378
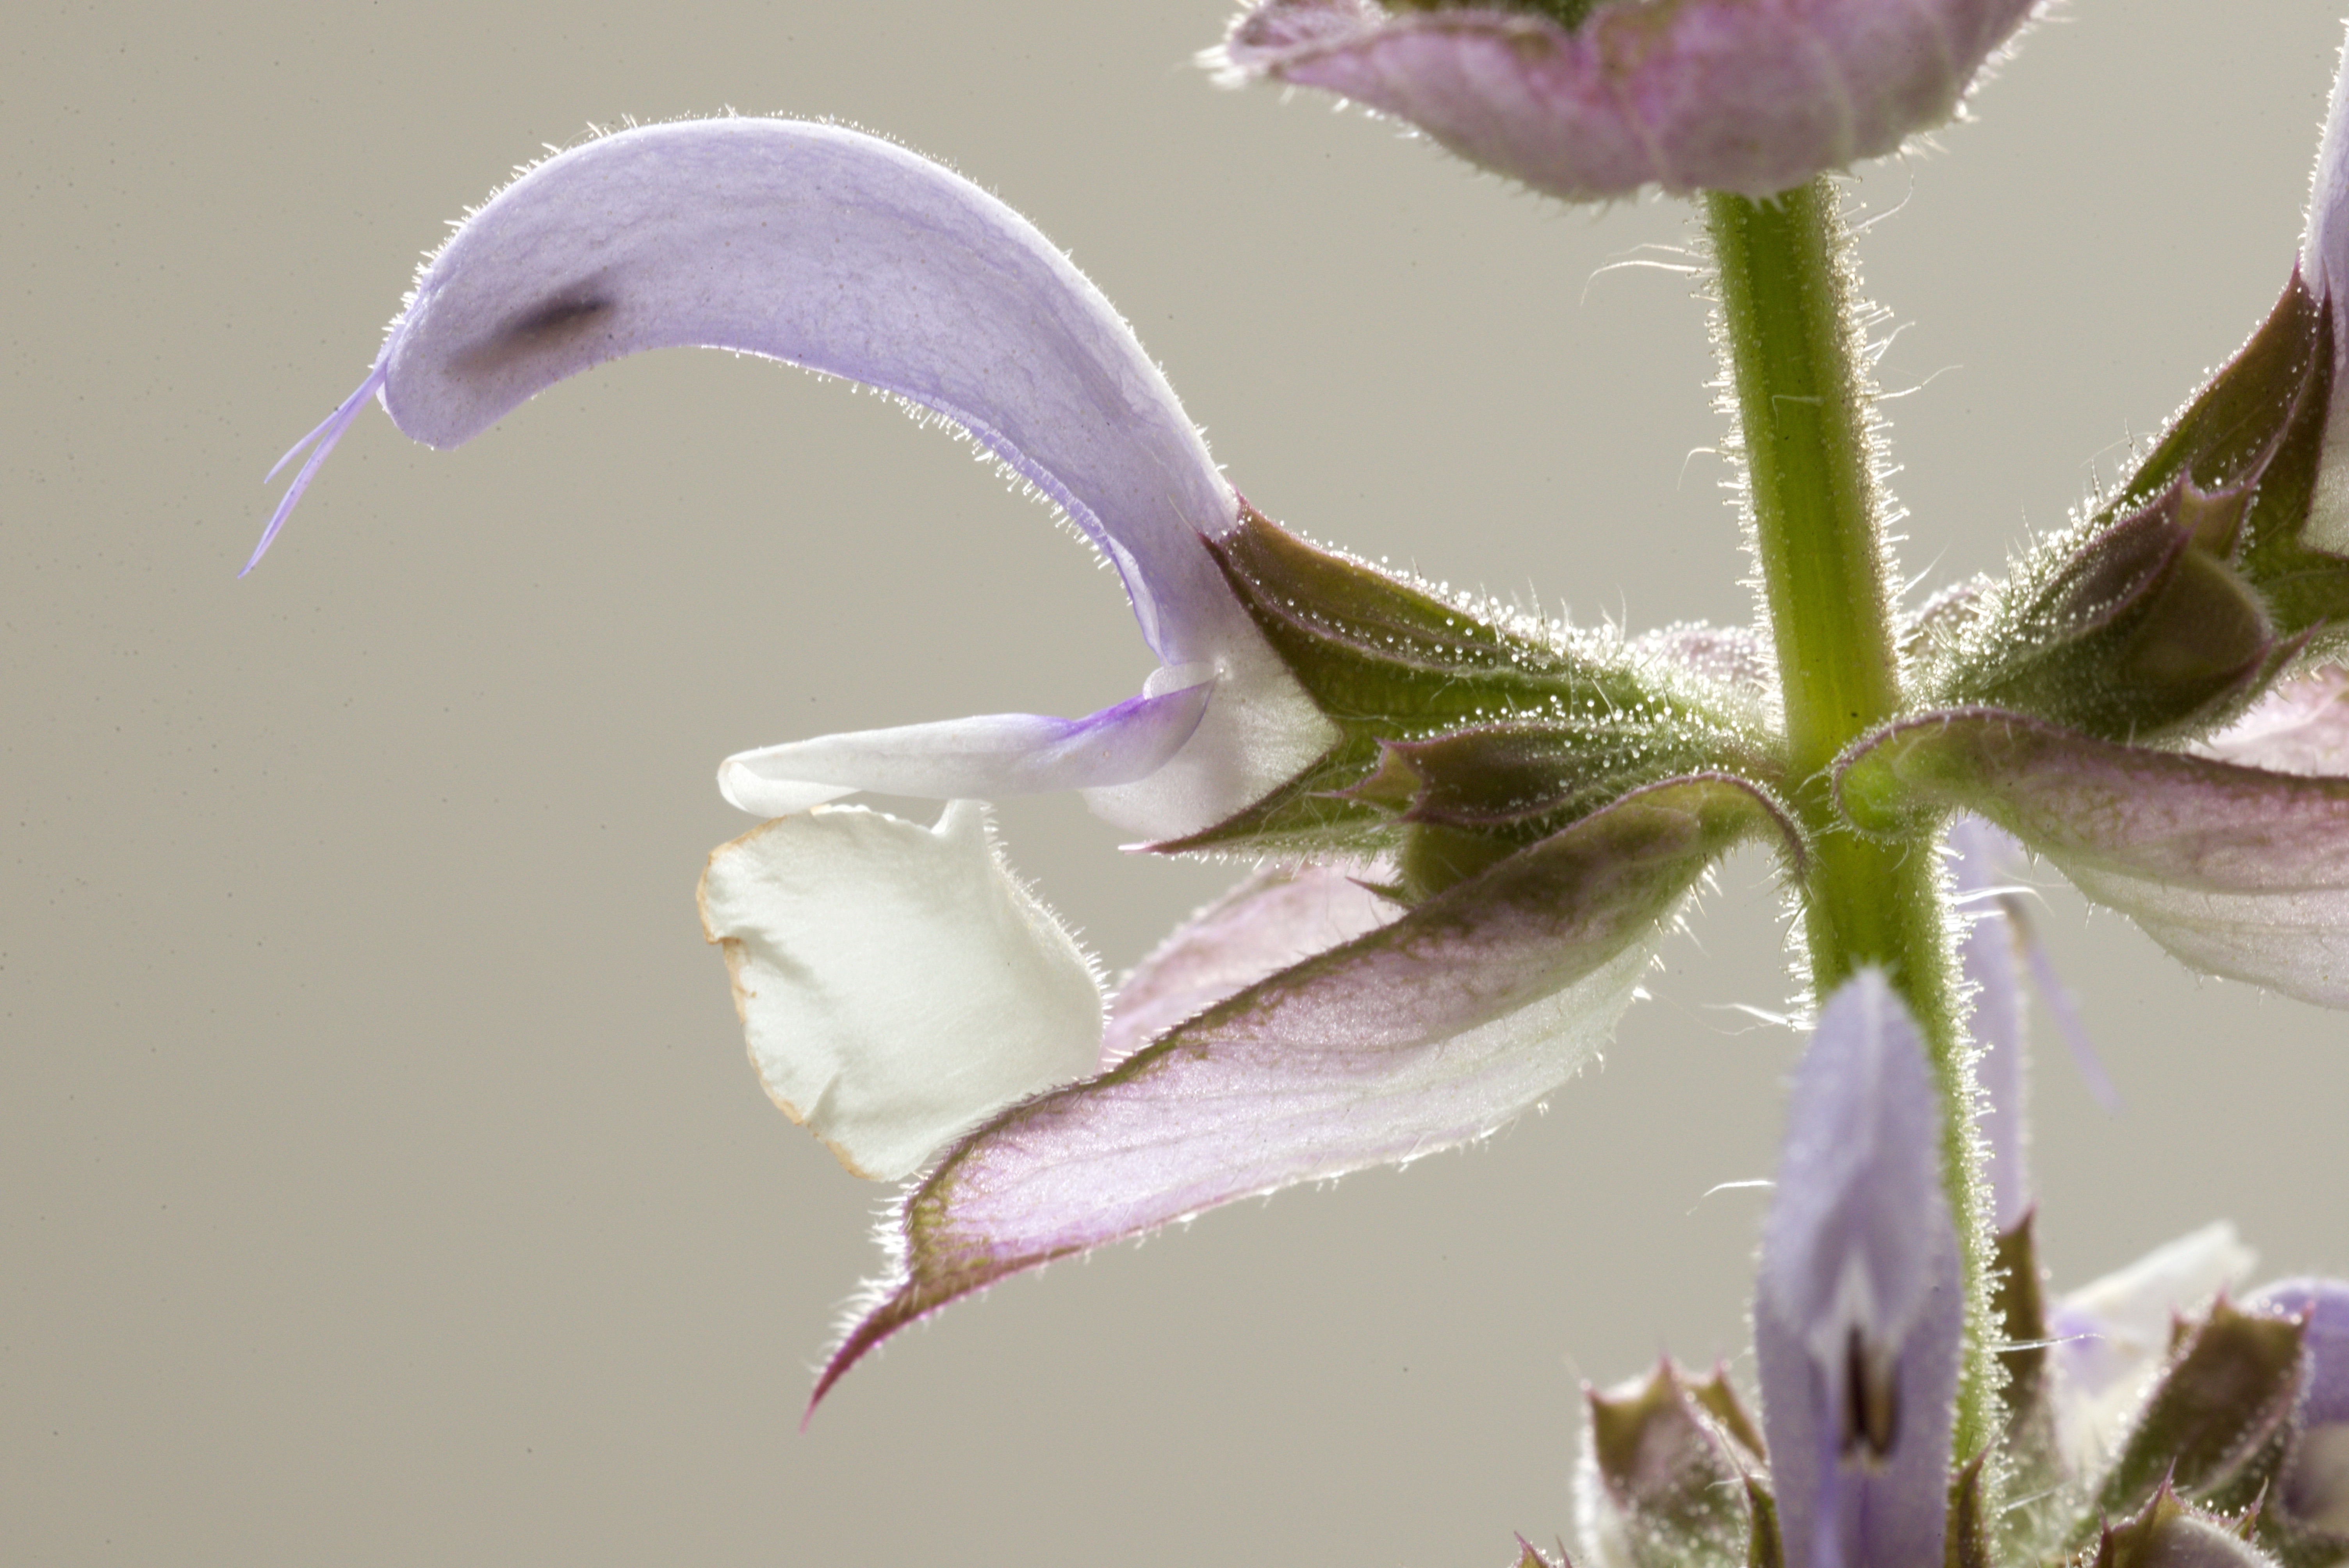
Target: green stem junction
1794, 344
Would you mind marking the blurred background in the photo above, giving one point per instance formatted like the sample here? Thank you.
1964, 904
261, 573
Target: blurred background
381, 1180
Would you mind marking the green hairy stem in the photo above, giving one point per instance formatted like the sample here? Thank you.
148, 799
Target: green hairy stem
1793, 347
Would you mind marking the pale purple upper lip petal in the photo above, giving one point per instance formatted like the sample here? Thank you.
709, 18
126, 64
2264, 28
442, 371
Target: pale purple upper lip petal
1749, 96
847, 254
844, 253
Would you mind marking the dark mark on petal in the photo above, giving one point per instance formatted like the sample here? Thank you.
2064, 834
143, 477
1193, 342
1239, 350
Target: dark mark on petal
549, 324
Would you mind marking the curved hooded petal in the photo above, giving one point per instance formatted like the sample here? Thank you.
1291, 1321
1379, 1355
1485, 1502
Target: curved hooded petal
1861, 1306
2112, 1334
1423, 1032
1749, 96
848, 255
2239, 872
896, 983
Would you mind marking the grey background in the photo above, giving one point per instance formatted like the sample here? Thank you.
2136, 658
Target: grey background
380, 1177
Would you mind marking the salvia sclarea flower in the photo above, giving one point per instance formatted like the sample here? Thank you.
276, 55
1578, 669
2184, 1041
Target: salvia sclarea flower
1474, 825
1477, 825
1859, 1322
1589, 99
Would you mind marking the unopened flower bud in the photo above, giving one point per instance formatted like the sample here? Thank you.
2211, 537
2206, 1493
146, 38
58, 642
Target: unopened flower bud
2142, 628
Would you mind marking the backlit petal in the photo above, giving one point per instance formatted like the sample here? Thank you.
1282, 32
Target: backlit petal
896, 983
847, 254
986, 758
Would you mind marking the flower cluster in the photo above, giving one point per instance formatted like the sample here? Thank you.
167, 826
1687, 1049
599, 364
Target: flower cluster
1473, 826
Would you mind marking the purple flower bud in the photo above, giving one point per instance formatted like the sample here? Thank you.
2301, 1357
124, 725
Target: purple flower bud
1860, 1311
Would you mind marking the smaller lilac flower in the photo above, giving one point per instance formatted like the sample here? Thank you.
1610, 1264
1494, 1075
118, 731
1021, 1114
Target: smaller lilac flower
1860, 1311
1592, 102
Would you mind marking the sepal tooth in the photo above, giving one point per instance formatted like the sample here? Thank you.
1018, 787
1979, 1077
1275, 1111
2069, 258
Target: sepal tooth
1664, 1464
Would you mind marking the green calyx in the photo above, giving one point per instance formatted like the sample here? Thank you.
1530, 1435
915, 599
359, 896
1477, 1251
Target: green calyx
2145, 629
2032, 1523
1467, 731
2171, 1533
2216, 1427
2190, 589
